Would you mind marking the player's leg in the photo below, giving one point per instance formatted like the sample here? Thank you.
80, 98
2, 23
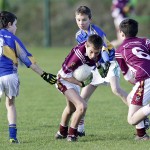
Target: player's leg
81, 107
138, 110
11, 116
136, 116
117, 90
66, 115
146, 119
85, 94
11, 85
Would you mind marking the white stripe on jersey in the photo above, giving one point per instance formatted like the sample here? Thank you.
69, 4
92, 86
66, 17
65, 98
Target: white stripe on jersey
66, 67
118, 55
79, 55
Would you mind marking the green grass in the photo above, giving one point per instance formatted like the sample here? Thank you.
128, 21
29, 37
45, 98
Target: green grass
39, 108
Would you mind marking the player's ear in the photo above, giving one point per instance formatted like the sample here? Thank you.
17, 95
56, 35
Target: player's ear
9, 24
122, 34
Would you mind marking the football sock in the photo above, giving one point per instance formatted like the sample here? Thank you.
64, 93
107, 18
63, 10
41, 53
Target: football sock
72, 131
81, 126
63, 130
12, 131
141, 132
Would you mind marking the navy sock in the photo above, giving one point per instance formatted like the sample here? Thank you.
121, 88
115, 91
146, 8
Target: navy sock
12, 131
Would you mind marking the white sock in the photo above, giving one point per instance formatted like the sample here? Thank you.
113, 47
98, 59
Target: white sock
81, 126
140, 125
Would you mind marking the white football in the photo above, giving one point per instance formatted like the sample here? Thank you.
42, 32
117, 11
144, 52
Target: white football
82, 72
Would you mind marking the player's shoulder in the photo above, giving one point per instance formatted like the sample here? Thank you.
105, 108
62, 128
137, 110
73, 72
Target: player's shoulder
8, 36
98, 30
144, 39
80, 33
81, 36
96, 27
79, 47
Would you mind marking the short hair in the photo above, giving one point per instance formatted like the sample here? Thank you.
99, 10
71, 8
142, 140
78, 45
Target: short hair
5, 18
84, 10
129, 27
96, 40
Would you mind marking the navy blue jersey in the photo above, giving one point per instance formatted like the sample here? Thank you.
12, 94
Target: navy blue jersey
12, 49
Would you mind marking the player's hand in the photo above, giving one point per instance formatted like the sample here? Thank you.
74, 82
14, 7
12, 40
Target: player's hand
107, 65
103, 71
87, 81
50, 78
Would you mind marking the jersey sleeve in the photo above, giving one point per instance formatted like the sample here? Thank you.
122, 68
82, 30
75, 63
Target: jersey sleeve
23, 53
123, 66
71, 63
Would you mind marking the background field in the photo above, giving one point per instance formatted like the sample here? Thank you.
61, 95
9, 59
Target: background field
33, 17
40, 105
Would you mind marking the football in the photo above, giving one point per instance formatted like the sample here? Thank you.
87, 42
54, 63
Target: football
82, 72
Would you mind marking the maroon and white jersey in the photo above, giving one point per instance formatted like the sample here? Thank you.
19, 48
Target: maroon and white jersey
76, 58
134, 55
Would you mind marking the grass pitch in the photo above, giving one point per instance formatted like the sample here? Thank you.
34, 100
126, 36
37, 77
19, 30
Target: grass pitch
40, 105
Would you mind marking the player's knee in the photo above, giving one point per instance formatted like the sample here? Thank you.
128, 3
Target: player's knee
131, 122
82, 108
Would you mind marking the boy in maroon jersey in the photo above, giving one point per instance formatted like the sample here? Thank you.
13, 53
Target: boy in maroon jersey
133, 57
85, 53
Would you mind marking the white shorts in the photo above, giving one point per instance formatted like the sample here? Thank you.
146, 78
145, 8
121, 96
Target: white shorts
114, 70
63, 85
140, 94
9, 85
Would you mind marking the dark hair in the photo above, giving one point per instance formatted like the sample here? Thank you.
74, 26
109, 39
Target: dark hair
96, 40
84, 10
5, 18
129, 27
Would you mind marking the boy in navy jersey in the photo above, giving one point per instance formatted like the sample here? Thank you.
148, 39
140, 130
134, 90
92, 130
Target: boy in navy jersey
12, 49
86, 28
133, 57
